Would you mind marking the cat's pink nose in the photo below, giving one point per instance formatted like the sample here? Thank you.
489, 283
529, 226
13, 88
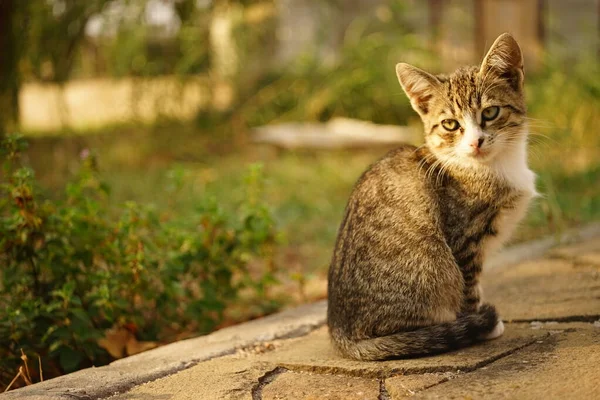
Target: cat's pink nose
476, 144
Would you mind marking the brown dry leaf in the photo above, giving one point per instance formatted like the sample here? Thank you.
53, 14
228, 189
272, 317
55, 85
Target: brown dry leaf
115, 341
134, 347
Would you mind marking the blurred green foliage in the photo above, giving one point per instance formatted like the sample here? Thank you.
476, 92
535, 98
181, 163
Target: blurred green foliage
563, 101
53, 35
11, 48
71, 269
141, 50
360, 83
57, 47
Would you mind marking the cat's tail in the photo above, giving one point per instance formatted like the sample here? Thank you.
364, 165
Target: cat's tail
463, 331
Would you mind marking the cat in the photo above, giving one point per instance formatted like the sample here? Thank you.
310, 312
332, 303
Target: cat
419, 224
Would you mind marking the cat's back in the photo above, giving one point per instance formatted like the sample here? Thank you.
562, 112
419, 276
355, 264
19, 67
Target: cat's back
398, 178
390, 226
391, 199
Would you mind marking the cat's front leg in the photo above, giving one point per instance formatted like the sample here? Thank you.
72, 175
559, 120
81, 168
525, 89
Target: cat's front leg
472, 296
472, 292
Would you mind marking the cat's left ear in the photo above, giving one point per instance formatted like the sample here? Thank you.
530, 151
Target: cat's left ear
504, 60
420, 86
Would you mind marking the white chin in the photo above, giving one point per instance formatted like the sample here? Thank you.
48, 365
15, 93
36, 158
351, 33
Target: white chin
473, 159
480, 158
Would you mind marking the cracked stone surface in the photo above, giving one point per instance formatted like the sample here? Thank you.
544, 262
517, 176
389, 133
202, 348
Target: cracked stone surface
402, 386
314, 353
305, 386
562, 366
221, 378
314, 371
547, 289
543, 354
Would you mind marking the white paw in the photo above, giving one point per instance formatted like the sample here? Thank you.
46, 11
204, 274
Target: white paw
497, 332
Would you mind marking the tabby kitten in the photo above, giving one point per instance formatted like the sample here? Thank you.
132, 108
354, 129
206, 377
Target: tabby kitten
404, 277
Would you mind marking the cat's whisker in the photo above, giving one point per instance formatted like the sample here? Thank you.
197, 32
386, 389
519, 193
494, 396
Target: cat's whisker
431, 168
437, 163
425, 160
539, 124
539, 121
511, 145
444, 169
532, 140
439, 171
532, 153
419, 148
540, 138
541, 143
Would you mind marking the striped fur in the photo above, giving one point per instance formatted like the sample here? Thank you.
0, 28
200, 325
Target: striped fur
419, 224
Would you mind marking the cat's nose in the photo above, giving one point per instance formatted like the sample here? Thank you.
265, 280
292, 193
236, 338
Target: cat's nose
476, 144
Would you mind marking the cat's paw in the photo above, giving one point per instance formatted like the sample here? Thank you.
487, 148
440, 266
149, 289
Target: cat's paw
496, 332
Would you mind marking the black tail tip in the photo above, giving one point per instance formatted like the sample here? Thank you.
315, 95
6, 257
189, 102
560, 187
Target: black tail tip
489, 314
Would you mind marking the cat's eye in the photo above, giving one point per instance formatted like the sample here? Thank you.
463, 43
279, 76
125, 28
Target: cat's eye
450, 124
490, 113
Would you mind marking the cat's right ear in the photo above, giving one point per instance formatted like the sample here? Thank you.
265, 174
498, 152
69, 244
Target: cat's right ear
504, 60
420, 86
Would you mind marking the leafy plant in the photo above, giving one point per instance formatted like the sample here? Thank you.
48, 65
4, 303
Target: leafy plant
72, 270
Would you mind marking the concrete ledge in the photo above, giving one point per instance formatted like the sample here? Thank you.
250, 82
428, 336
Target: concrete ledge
124, 374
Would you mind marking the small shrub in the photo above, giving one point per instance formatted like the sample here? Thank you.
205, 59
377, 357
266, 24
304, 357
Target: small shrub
74, 269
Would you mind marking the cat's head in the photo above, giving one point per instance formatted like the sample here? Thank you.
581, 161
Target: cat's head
476, 113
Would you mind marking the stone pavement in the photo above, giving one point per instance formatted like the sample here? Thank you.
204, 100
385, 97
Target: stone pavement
550, 350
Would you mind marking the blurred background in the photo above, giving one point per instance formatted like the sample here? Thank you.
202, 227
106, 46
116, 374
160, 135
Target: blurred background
225, 136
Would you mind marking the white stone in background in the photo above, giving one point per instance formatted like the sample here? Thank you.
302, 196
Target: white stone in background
335, 134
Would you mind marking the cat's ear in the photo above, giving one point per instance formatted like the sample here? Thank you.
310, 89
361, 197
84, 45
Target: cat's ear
420, 86
504, 60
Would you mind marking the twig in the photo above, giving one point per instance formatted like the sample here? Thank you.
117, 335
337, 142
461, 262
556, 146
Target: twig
25, 378
13, 381
41, 373
24, 358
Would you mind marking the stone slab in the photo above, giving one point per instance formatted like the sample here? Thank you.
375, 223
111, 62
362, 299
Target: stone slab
306, 386
222, 378
574, 251
547, 289
561, 366
314, 353
317, 373
540, 247
399, 387
124, 374
582, 254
